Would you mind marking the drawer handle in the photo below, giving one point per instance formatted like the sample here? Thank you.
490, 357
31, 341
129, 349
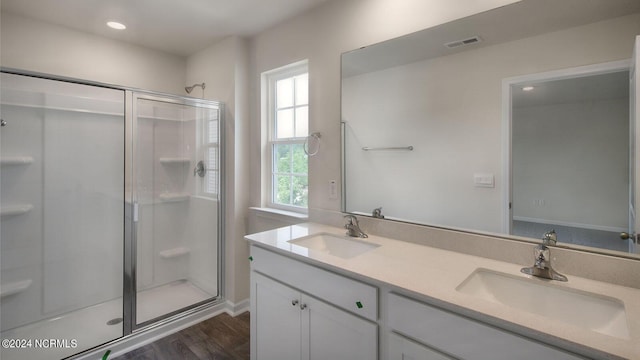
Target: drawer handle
303, 306
294, 302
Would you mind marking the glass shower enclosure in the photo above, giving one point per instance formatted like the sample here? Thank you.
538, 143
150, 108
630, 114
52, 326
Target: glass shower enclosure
111, 213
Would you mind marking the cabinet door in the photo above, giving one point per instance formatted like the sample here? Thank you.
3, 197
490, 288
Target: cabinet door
401, 348
277, 320
462, 337
331, 333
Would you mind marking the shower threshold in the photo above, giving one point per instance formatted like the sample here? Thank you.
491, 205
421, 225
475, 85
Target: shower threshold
89, 327
165, 299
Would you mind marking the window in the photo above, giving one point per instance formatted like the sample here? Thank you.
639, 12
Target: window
288, 123
210, 148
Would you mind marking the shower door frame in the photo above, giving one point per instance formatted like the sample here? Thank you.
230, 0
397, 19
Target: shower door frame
132, 145
130, 328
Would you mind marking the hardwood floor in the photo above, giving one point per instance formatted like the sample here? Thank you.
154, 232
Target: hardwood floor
221, 338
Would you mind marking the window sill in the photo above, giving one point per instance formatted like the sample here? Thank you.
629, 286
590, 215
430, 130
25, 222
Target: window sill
278, 214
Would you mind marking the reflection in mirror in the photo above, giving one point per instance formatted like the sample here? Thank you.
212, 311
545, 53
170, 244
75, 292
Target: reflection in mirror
570, 159
454, 151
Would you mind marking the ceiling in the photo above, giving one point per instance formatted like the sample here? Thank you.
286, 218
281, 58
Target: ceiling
180, 27
614, 85
509, 23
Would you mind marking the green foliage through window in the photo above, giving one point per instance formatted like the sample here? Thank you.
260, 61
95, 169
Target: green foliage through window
291, 183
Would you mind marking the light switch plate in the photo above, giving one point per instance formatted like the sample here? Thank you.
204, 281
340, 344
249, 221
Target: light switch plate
484, 180
333, 189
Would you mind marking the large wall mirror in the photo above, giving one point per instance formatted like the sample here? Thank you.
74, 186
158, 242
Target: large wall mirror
515, 121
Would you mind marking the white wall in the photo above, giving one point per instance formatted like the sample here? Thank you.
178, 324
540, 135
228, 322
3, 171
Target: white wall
473, 143
428, 105
37, 46
320, 36
574, 157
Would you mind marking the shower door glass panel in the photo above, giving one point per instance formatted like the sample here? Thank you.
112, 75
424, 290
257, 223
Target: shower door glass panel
61, 198
177, 192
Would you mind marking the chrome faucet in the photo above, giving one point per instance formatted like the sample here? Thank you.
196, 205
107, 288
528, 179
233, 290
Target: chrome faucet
542, 266
550, 237
377, 213
353, 228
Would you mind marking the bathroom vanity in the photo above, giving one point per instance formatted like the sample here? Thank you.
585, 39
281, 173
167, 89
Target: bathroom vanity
318, 294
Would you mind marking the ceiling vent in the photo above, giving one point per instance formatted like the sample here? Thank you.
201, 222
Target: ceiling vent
458, 43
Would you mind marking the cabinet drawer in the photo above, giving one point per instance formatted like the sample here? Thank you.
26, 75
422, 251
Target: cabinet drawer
461, 337
401, 348
349, 294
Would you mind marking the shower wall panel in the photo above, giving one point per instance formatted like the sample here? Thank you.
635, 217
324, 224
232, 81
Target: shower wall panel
83, 212
166, 143
21, 235
63, 251
177, 233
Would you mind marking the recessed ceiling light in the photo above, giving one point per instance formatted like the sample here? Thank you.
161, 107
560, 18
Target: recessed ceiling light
528, 88
116, 25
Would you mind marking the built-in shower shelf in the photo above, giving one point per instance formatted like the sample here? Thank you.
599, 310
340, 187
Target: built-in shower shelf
174, 160
175, 252
16, 160
14, 288
15, 209
174, 197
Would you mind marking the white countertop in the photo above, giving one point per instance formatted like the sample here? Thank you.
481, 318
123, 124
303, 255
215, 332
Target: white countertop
435, 273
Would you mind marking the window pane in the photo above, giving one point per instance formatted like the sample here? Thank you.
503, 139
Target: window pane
211, 181
300, 190
282, 189
212, 158
211, 185
284, 93
299, 160
284, 124
212, 136
282, 158
302, 89
302, 121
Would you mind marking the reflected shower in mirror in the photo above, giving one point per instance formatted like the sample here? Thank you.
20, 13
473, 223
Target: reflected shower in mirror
487, 156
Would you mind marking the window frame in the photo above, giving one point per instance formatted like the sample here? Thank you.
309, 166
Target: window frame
270, 79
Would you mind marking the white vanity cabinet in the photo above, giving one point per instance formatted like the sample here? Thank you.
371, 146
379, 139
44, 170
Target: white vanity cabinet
445, 335
309, 313
401, 348
401, 301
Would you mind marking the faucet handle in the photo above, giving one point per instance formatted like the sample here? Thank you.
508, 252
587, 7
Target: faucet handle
351, 220
550, 237
377, 213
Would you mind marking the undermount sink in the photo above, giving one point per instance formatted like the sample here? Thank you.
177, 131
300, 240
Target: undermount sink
335, 245
599, 313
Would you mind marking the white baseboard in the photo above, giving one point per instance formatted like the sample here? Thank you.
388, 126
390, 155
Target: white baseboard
136, 340
235, 309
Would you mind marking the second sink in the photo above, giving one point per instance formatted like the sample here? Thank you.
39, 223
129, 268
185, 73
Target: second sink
595, 312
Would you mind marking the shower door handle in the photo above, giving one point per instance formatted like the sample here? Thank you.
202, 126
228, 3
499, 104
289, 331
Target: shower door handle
136, 209
200, 170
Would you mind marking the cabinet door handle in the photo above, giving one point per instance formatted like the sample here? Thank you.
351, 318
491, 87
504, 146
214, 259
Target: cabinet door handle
303, 306
294, 302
